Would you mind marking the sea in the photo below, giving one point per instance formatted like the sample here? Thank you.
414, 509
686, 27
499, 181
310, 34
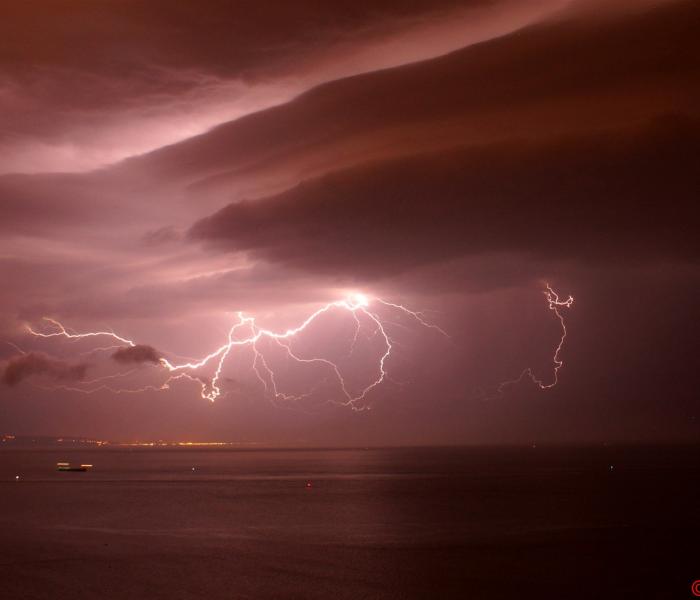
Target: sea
386, 523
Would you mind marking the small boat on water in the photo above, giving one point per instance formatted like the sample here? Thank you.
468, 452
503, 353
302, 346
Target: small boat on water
64, 466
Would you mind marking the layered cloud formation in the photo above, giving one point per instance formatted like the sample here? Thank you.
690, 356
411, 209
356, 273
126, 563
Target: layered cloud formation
165, 166
584, 199
86, 85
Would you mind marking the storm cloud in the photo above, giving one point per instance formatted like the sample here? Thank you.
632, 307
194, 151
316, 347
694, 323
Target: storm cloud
37, 364
136, 354
592, 198
86, 85
166, 166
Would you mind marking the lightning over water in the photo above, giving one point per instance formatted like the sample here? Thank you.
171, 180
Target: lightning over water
262, 343
245, 333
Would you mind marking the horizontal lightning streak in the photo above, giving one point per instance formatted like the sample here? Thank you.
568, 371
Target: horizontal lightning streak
62, 332
245, 333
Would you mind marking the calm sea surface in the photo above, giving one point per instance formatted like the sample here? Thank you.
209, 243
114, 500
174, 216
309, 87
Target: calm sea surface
394, 523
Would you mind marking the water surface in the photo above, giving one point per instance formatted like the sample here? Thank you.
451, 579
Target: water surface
381, 523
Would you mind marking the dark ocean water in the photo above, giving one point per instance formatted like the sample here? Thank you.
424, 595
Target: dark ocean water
394, 523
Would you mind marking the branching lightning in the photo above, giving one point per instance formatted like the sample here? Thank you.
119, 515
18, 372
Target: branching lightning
63, 332
554, 304
245, 333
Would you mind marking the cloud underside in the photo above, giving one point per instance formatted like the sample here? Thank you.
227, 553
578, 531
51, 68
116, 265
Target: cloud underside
536, 144
38, 364
552, 79
137, 354
533, 145
83, 86
630, 197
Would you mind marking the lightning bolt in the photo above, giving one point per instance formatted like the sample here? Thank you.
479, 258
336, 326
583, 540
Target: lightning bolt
418, 316
63, 332
246, 333
554, 304
15, 346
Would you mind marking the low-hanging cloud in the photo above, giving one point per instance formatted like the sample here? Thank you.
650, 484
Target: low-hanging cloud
33, 364
588, 199
140, 353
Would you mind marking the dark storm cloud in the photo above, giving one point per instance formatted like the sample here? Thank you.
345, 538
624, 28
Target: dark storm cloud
561, 75
33, 364
85, 84
614, 198
226, 36
558, 141
137, 354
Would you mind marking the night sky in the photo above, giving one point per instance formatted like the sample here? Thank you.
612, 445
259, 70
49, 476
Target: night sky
165, 165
